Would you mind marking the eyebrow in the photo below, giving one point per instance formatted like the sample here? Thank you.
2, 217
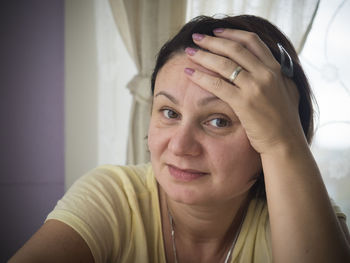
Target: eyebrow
202, 102
170, 97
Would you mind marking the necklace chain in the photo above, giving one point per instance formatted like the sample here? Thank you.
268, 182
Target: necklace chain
229, 253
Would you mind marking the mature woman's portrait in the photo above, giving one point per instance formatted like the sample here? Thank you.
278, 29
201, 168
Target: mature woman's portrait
175, 131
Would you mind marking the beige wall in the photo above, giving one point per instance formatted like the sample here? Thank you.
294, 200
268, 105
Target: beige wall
80, 89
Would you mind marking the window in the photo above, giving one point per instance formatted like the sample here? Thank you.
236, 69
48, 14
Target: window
325, 58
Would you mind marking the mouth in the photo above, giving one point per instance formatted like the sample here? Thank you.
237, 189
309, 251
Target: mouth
185, 175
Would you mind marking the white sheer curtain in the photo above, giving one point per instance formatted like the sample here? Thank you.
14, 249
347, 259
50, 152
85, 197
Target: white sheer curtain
293, 17
144, 27
115, 69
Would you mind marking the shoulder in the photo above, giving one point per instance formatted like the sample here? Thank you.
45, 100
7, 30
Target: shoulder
120, 173
108, 190
102, 205
111, 178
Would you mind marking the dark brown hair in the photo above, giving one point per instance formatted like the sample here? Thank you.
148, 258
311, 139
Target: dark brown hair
268, 33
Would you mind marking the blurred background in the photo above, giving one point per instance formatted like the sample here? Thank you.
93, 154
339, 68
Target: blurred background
74, 91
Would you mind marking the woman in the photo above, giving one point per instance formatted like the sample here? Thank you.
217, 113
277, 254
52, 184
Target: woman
231, 118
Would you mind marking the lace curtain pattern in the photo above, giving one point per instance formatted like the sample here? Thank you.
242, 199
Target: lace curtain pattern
325, 58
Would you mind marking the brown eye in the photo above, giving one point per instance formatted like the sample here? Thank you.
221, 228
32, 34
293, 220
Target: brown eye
170, 114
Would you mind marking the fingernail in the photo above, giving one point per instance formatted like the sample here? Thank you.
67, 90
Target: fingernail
218, 30
197, 36
189, 71
191, 51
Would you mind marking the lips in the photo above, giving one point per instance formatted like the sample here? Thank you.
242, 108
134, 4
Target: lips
185, 175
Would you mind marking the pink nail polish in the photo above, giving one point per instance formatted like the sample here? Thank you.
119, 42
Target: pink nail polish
197, 36
189, 71
218, 30
190, 51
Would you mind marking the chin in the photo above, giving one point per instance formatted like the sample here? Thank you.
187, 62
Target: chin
185, 196
182, 193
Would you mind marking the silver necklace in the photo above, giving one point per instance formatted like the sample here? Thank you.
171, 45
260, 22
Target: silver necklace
228, 253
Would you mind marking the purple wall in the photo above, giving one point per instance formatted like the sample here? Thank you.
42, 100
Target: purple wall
31, 117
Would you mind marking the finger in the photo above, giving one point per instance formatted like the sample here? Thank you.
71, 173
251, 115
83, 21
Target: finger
219, 87
230, 49
216, 63
252, 42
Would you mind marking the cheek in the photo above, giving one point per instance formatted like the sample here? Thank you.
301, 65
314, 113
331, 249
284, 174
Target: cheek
156, 139
239, 158
152, 142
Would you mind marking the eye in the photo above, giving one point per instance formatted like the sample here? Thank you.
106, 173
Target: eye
169, 114
219, 122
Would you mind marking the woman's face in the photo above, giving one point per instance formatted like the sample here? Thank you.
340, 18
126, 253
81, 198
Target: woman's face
199, 151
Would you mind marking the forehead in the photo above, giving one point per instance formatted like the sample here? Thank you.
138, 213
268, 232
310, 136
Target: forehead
175, 84
172, 75
180, 61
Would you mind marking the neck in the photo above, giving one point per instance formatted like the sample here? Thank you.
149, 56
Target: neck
220, 223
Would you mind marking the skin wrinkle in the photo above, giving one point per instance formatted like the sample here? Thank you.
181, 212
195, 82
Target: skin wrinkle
202, 102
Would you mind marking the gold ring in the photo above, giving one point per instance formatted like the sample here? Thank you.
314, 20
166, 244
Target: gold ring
235, 74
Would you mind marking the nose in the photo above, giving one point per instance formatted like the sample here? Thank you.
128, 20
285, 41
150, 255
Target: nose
185, 141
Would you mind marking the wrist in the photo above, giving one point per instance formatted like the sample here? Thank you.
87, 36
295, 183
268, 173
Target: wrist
293, 146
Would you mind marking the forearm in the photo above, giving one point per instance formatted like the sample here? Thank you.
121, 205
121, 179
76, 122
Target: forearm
304, 227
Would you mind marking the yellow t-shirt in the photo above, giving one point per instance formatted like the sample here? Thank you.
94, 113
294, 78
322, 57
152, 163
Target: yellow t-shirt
116, 211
